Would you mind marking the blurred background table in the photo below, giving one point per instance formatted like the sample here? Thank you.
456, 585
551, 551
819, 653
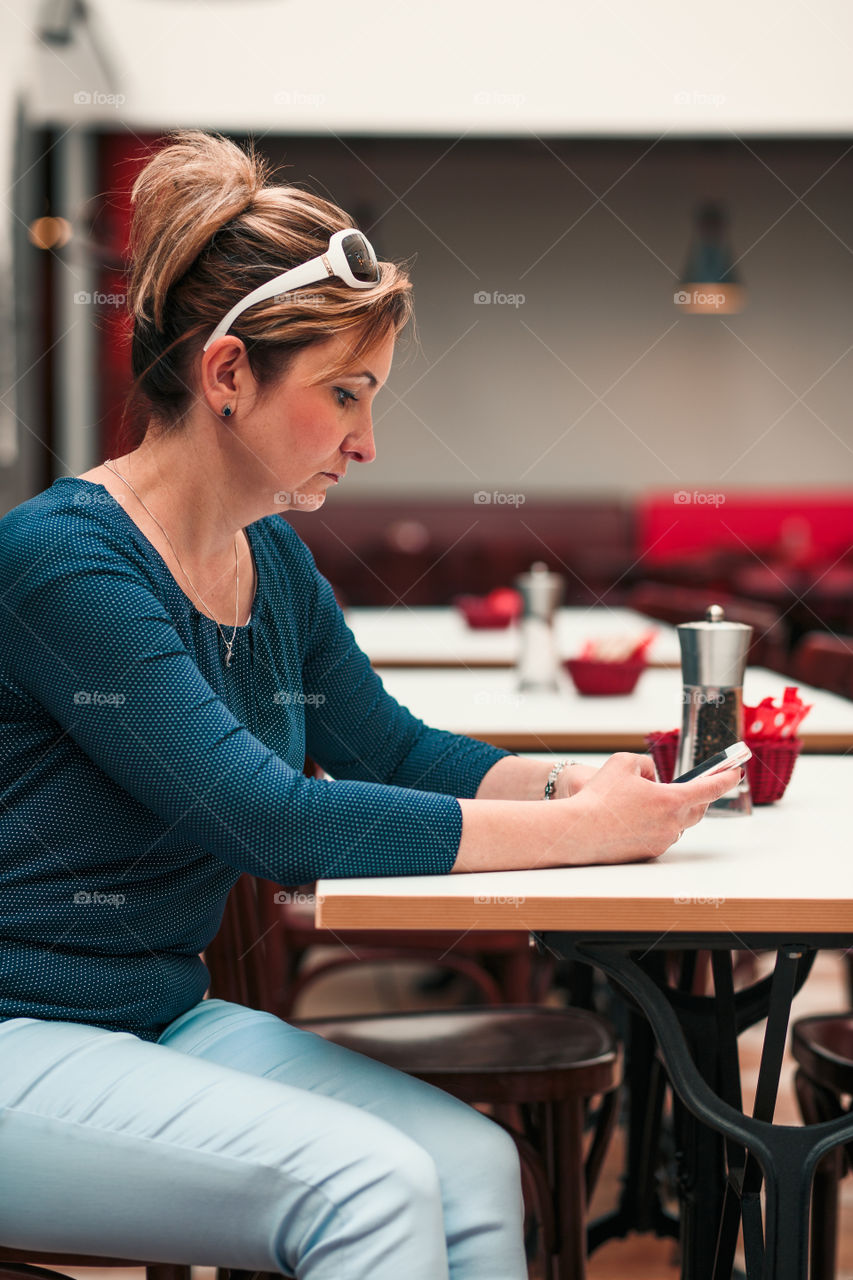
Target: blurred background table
487, 705
439, 637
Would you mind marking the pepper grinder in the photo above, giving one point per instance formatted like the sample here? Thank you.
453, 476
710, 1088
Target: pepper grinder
713, 661
541, 592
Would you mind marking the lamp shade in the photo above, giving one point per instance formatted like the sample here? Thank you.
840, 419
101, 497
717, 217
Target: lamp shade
710, 283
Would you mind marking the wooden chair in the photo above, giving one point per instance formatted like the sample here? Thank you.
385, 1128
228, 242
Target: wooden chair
825, 661
545, 1064
538, 1067
823, 1048
18, 1264
499, 964
674, 604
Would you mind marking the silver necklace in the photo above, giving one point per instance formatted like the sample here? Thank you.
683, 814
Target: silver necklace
229, 644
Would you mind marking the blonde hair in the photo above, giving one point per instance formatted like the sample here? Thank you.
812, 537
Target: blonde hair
207, 228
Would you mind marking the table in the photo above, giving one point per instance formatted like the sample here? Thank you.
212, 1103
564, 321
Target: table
730, 875
487, 705
440, 637
778, 880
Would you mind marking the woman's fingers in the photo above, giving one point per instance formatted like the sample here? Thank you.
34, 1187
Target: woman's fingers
626, 762
711, 787
703, 791
647, 768
631, 816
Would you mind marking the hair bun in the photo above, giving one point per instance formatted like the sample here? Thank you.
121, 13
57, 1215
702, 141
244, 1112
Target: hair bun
189, 190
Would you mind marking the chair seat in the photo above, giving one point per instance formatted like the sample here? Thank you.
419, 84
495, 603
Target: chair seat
823, 1046
515, 1053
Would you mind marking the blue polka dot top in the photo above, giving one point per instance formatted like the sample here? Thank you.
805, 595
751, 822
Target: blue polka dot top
139, 776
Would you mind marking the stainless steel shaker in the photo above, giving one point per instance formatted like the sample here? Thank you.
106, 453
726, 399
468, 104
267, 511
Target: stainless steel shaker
541, 592
713, 662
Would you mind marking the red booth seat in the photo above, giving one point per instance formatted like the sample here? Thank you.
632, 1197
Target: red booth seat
800, 526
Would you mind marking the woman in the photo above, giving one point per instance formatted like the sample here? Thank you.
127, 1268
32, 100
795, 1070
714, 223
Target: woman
171, 653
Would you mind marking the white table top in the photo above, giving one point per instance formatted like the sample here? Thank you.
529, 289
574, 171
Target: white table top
487, 705
440, 637
786, 866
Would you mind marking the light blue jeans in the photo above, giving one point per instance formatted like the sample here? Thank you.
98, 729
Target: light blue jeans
238, 1140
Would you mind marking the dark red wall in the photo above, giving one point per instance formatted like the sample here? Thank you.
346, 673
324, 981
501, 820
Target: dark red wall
120, 158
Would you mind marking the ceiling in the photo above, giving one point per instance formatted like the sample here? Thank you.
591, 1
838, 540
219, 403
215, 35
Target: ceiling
450, 67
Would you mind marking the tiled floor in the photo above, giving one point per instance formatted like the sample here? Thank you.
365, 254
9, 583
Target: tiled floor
369, 988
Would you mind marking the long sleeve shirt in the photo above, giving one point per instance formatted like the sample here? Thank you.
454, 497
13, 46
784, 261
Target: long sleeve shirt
139, 776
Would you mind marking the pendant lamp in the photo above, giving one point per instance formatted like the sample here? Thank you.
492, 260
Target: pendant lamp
710, 284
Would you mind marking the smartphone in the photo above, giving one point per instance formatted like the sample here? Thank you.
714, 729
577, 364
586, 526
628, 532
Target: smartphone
737, 754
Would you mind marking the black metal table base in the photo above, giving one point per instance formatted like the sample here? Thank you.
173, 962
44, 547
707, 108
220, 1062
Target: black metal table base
725, 1156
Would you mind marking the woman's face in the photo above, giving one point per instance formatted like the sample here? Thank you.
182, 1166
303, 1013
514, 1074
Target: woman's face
303, 435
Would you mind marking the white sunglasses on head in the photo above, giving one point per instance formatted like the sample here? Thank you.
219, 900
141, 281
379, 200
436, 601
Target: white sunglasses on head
350, 256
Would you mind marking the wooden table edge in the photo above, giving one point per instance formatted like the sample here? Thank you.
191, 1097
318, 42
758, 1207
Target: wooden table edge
687, 915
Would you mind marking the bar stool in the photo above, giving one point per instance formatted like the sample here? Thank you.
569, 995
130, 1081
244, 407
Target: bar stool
538, 1067
823, 1048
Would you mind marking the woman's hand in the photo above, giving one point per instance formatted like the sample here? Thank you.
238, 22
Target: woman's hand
626, 816
617, 813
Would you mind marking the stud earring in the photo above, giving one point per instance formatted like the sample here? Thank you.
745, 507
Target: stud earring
226, 412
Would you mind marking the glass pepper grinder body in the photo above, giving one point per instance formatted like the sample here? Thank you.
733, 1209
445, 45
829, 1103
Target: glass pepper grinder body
541, 592
713, 662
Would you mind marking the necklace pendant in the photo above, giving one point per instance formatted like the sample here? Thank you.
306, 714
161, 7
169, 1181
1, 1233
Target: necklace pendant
229, 644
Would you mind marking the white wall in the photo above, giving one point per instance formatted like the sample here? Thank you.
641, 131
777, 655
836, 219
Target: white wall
505, 397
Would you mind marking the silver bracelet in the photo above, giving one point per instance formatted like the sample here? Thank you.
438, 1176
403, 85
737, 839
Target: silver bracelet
551, 784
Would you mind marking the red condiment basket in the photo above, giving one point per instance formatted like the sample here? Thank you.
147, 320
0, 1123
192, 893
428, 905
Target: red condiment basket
769, 771
480, 614
597, 678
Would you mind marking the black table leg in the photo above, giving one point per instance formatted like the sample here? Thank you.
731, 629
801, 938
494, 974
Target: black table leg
711, 1026
702, 1170
785, 1156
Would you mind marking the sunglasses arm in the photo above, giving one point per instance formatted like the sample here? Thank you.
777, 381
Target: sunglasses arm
306, 273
